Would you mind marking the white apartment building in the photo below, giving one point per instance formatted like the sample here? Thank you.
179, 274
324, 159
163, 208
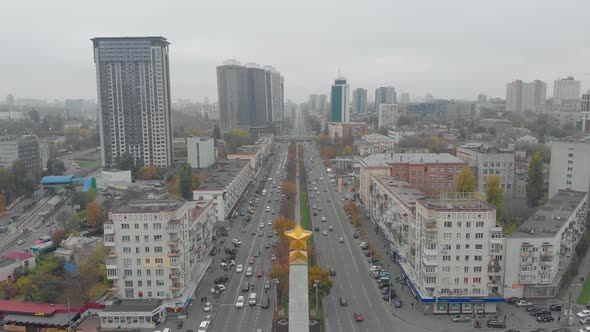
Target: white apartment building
375, 164
155, 247
566, 89
200, 151
540, 251
392, 205
455, 267
569, 169
399, 135
388, 115
226, 186
374, 143
487, 160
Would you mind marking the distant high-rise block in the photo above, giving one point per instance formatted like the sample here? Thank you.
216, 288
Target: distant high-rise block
249, 96
340, 99
388, 115
404, 98
385, 95
133, 81
525, 96
566, 89
586, 112
359, 100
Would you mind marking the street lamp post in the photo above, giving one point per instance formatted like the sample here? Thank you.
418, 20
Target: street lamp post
276, 280
316, 283
389, 271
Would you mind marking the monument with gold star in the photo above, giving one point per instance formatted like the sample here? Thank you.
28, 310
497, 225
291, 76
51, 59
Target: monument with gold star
298, 286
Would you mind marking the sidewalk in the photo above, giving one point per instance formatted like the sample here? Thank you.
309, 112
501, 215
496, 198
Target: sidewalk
576, 285
184, 298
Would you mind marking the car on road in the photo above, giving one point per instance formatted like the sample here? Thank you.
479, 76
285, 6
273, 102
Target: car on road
358, 316
261, 225
364, 245
236, 242
584, 329
249, 271
542, 312
398, 303
493, 323
583, 314
246, 286
323, 219
330, 228
260, 274
341, 240
261, 234
332, 271
343, 301
523, 303
545, 318
273, 257
461, 318
269, 222
315, 214
316, 228
267, 284
207, 307
221, 279
239, 268
204, 326
265, 302
268, 234
251, 260
240, 302
386, 297
19, 242
267, 245
533, 309
324, 233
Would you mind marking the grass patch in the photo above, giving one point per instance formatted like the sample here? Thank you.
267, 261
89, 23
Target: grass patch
86, 163
585, 294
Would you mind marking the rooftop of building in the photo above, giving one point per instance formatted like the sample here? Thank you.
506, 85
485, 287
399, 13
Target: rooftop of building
402, 190
151, 38
385, 159
551, 217
200, 207
495, 120
19, 255
375, 135
485, 148
456, 204
17, 138
247, 150
149, 205
200, 138
226, 171
6, 262
572, 139
134, 305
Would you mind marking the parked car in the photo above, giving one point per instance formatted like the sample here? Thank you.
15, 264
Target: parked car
386, 297
523, 303
513, 300
496, 324
207, 307
461, 318
555, 307
542, 312
545, 318
398, 303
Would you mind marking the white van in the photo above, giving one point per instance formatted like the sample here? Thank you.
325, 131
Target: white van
204, 326
252, 299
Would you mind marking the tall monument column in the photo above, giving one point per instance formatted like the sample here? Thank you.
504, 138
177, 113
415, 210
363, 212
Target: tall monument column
298, 286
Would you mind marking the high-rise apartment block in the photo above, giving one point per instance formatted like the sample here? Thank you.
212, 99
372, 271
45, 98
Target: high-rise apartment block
586, 112
569, 169
525, 96
24, 148
565, 89
404, 98
385, 95
133, 80
542, 248
340, 100
388, 115
249, 96
359, 100
200, 151
155, 247
488, 160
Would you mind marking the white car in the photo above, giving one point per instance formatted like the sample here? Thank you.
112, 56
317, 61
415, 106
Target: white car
239, 268
261, 225
523, 303
249, 271
207, 307
323, 219
236, 242
583, 314
240, 302
584, 329
269, 222
204, 326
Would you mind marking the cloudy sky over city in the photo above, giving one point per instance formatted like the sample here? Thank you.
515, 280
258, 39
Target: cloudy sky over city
452, 49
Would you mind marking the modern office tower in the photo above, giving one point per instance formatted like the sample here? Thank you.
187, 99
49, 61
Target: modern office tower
340, 99
200, 151
586, 112
569, 169
388, 115
486, 160
10, 102
385, 95
156, 246
522, 96
404, 98
232, 89
314, 102
24, 148
134, 99
566, 89
482, 99
359, 100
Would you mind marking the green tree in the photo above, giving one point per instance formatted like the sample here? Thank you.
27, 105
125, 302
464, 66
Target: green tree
79, 198
465, 181
186, 181
216, 132
323, 276
26, 288
534, 187
55, 167
494, 193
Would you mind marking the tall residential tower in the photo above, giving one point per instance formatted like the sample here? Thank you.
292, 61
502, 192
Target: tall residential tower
385, 95
359, 100
133, 82
340, 99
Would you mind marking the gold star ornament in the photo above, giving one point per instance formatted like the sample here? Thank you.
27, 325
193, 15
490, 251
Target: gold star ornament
298, 244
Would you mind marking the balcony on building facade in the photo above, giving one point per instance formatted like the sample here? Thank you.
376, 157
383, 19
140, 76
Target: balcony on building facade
430, 226
174, 253
173, 227
174, 276
548, 253
429, 262
113, 289
174, 243
493, 284
494, 271
176, 287
109, 228
111, 254
429, 252
525, 253
431, 239
109, 240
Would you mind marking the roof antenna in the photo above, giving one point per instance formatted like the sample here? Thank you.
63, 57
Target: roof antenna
339, 75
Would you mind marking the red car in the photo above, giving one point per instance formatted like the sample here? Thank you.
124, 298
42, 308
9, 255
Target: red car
259, 274
358, 316
251, 260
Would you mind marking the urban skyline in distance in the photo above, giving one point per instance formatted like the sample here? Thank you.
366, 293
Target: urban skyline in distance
415, 48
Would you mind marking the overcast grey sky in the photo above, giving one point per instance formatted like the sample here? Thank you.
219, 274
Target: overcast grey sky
452, 49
